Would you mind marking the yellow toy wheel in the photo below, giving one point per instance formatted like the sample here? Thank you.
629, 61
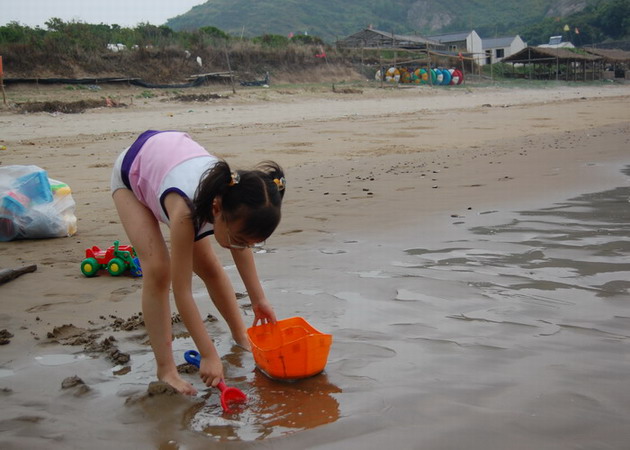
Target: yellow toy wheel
90, 267
116, 267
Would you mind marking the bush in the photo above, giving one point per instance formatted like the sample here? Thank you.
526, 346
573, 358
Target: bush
214, 33
306, 39
272, 40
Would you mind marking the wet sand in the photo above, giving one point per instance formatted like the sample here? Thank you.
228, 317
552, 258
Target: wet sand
467, 248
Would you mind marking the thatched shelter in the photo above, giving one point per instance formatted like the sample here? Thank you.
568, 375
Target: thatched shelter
557, 63
609, 54
616, 62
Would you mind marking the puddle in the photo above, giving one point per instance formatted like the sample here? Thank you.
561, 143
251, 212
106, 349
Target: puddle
273, 409
60, 360
6, 373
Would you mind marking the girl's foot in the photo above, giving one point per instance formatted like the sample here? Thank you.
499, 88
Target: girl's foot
181, 385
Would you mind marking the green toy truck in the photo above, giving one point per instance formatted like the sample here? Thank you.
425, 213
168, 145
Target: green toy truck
116, 259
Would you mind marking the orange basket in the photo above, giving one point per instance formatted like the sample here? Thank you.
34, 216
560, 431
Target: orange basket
290, 349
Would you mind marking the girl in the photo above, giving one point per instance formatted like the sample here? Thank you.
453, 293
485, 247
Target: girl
167, 177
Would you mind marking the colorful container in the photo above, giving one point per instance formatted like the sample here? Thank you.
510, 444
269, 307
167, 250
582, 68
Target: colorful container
392, 75
8, 228
446, 77
290, 349
424, 76
36, 187
457, 77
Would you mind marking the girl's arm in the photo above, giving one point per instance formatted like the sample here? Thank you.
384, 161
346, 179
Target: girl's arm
244, 260
182, 241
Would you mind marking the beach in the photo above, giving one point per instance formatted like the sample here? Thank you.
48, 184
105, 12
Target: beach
467, 248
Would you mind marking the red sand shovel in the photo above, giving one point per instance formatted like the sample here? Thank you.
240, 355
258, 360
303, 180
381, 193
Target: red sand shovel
229, 394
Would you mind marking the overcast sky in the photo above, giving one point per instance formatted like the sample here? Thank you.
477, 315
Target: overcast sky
126, 13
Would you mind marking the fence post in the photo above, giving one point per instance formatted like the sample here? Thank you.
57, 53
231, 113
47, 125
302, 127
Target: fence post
227, 57
4, 96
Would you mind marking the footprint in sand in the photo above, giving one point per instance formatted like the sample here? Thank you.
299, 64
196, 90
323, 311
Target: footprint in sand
120, 294
48, 306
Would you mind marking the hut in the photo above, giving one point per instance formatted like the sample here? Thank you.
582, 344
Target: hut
556, 63
616, 62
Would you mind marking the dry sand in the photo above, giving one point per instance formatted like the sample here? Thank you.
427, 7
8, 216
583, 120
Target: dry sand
357, 164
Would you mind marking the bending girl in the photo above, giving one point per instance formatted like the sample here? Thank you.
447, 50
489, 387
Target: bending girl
167, 177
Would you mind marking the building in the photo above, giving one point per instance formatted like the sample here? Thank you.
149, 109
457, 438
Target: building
370, 38
468, 42
556, 42
496, 49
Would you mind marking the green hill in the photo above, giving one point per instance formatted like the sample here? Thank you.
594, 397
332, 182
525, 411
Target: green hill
332, 19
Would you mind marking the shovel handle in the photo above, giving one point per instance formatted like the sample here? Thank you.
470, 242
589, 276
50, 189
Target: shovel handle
228, 394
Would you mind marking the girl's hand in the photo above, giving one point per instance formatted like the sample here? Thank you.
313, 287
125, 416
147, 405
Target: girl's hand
211, 371
263, 312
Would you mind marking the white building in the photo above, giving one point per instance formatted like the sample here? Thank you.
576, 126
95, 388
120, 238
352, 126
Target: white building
468, 42
496, 49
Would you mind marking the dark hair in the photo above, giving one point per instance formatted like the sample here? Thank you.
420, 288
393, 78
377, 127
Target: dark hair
255, 198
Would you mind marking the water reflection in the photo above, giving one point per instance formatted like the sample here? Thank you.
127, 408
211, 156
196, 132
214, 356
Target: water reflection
273, 409
582, 243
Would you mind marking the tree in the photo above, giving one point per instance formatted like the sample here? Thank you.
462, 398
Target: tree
613, 18
214, 33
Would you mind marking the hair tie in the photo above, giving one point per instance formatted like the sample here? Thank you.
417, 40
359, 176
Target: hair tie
280, 182
235, 178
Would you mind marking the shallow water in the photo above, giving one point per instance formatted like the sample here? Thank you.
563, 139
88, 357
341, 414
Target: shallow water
508, 330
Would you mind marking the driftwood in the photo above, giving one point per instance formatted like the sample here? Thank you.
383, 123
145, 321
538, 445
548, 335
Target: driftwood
7, 275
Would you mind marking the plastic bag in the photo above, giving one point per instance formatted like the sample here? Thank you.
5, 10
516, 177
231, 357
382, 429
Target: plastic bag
34, 206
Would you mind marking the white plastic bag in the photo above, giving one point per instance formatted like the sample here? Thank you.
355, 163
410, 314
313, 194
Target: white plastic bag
34, 206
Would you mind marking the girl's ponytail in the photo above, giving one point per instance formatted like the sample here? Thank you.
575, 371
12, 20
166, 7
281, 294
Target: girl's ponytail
214, 183
275, 173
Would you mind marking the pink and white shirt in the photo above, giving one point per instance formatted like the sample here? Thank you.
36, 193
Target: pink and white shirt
161, 162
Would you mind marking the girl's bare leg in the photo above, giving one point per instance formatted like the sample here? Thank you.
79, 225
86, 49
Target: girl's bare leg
208, 267
146, 237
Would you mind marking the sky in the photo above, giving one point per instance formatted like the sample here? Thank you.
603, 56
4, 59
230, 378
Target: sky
126, 13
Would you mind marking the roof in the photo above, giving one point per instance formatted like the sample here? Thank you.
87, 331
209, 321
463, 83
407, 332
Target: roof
538, 54
612, 54
405, 37
400, 40
497, 42
618, 45
559, 45
452, 37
